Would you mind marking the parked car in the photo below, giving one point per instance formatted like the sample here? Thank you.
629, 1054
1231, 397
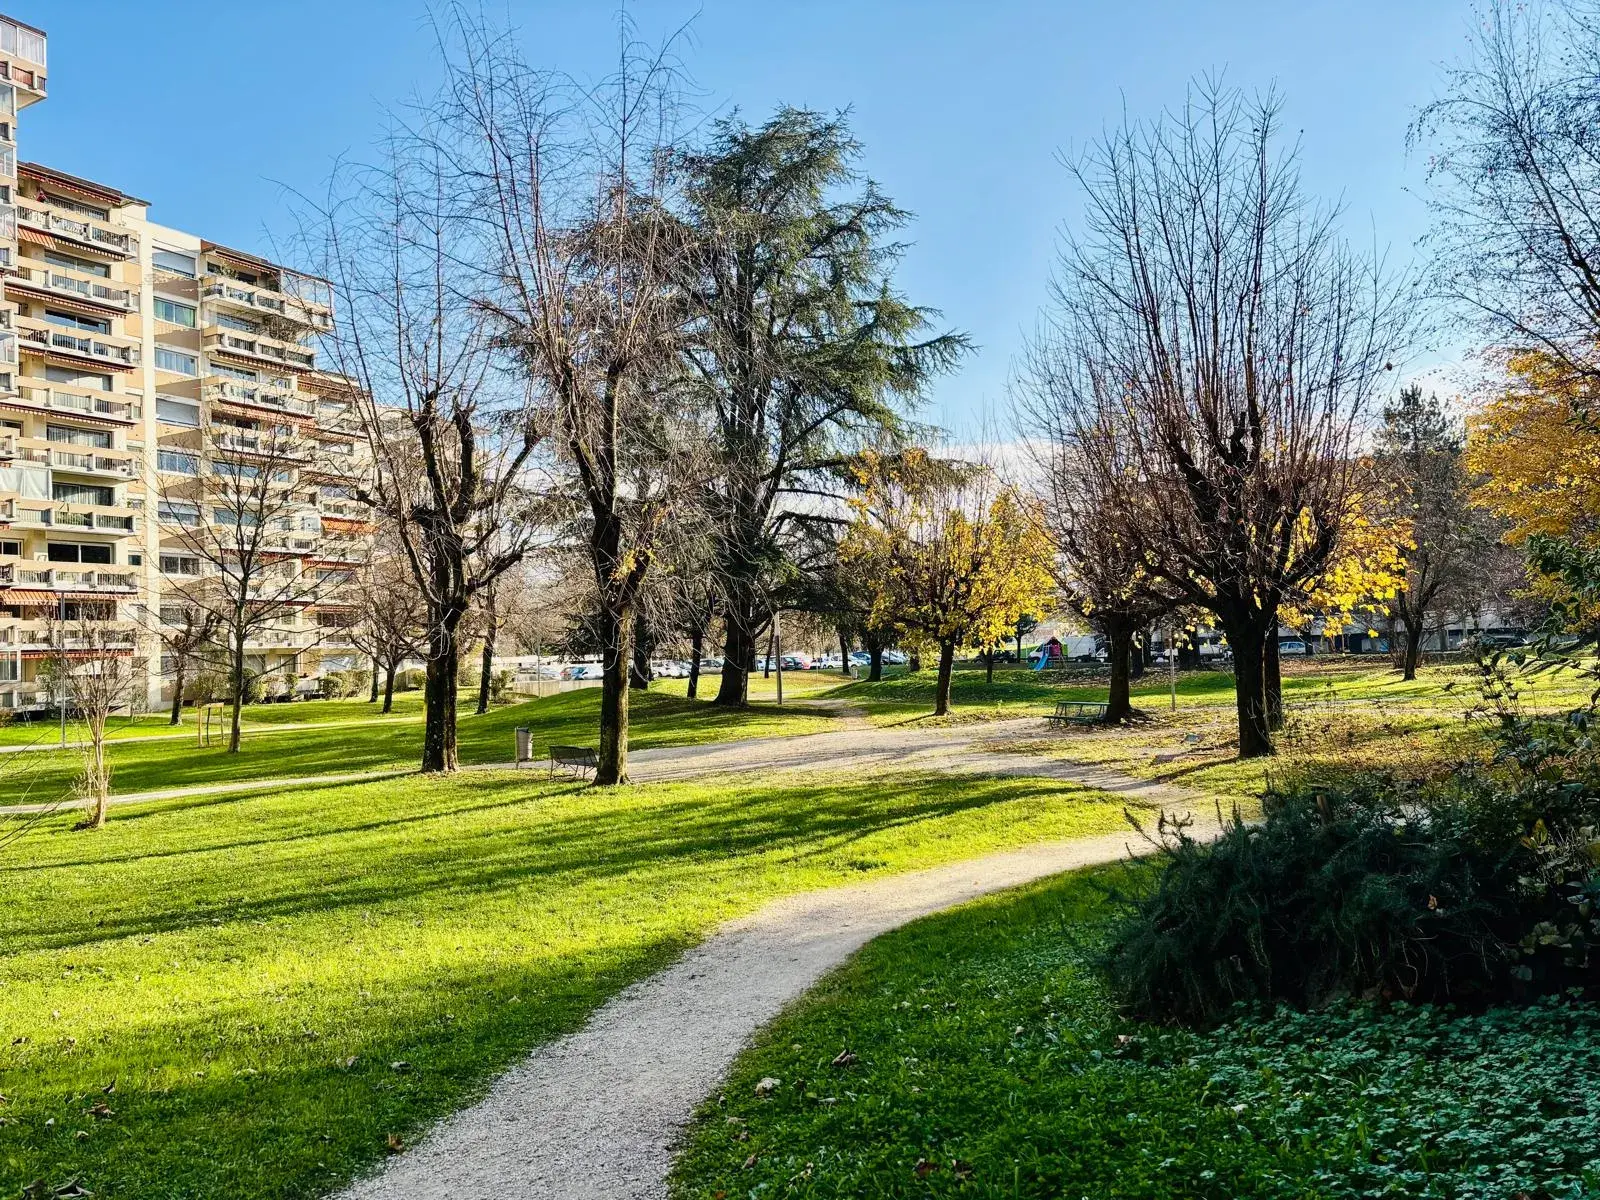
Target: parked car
670, 669
895, 658
797, 662
583, 671
860, 658
1292, 646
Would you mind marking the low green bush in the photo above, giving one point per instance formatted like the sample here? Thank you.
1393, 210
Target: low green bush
1478, 888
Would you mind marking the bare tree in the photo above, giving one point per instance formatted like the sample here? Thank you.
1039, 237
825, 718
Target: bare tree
240, 524
572, 187
391, 614
1514, 160
1077, 468
451, 433
188, 636
1236, 344
96, 669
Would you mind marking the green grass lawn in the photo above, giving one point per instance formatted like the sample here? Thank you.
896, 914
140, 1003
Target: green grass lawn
235, 981
982, 1057
567, 718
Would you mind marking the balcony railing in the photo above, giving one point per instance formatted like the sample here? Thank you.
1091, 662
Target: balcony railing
89, 464
67, 579
61, 401
87, 347
259, 397
23, 42
66, 285
254, 347
85, 233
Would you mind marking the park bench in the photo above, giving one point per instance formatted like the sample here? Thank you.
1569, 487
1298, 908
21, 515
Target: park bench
1077, 712
580, 760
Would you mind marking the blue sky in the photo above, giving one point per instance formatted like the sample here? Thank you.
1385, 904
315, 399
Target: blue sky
963, 108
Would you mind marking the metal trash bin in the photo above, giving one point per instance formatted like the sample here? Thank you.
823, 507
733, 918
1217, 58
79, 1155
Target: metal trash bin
524, 744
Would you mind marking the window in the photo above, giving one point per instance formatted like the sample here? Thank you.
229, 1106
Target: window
84, 379
330, 492
175, 262
178, 512
136, 560
180, 564
177, 462
70, 435
77, 206
240, 323
243, 376
74, 321
168, 359
9, 547
81, 493
174, 313
72, 263
67, 552
226, 516
235, 470
177, 412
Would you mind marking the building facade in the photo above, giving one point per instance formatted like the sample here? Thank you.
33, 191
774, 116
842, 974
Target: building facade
132, 358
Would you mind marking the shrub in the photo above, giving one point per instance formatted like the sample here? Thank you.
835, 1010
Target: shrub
255, 688
1476, 889
333, 685
411, 680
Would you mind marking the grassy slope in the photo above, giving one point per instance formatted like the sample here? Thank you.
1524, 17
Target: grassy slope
245, 973
571, 717
987, 1052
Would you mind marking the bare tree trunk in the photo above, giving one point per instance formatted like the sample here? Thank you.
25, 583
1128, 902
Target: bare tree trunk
177, 693
697, 645
844, 652
439, 695
988, 665
1272, 676
739, 648
1119, 701
639, 678
388, 684
99, 781
916, 661
486, 672
238, 690
1413, 651
1250, 688
373, 698
874, 660
616, 635
941, 694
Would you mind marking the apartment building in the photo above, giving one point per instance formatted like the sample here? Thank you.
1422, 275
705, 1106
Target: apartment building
132, 356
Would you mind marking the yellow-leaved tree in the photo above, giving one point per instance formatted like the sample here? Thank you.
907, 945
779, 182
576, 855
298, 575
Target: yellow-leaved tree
1534, 453
950, 555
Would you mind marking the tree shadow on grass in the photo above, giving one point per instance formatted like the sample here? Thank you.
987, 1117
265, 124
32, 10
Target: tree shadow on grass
568, 839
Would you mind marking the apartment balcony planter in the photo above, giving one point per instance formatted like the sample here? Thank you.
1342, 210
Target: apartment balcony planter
80, 348
46, 225
57, 283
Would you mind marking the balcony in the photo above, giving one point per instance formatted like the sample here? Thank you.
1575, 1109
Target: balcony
19, 41
97, 237
266, 445
68, 579
260, 397
82, 462
91, 348
259, 349
73, 287
76, 519
255, 298
77, 403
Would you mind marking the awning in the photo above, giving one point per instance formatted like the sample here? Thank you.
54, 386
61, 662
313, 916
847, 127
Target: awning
36, 597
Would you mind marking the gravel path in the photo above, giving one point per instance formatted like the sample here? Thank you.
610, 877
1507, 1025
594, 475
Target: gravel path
598, 1114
